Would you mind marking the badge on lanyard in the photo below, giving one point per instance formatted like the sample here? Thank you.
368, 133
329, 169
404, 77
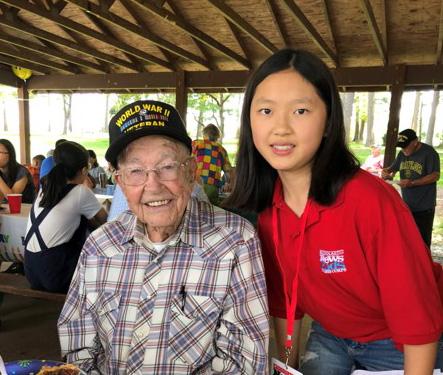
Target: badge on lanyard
279, 368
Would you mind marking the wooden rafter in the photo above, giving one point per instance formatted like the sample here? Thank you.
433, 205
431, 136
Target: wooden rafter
310, 30
24, 64
42, 34
7, 78
236, 33
201, 47
438, 57
121, 22
373, 27
45, 50
180, 23
385, 23
241, 23
275, 20
141, 23
105, 30
81, 29
327, 12
34, 58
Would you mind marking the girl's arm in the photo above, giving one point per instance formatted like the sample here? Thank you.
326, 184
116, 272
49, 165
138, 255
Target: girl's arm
420, 359
279, 325
17, 188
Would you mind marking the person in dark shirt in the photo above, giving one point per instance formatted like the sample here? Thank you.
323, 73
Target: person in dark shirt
419, 167
14, 177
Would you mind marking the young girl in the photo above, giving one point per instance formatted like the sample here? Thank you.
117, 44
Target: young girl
14, 177
57, 224
338, 243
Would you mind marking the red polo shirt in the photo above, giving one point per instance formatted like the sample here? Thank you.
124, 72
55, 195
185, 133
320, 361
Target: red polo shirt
365, 272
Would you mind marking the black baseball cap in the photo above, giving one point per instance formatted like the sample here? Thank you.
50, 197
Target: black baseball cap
405, 137
142, 118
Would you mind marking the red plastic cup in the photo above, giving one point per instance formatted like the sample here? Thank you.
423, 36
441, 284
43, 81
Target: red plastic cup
15, 203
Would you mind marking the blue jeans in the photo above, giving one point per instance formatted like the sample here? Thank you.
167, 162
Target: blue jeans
330, 355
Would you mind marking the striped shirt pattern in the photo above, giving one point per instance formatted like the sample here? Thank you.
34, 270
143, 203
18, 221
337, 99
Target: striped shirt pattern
211, 159
196, 306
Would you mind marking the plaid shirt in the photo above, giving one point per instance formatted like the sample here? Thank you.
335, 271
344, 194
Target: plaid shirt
197, 306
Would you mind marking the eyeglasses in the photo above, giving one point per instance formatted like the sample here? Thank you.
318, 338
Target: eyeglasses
138, 176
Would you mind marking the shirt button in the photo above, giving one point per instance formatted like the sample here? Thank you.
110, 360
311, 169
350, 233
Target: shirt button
142, 332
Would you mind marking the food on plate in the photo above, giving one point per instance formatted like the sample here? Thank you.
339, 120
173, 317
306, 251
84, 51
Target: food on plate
66, 369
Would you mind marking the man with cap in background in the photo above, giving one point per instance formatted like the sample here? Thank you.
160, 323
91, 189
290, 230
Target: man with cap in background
174, 285
419, 166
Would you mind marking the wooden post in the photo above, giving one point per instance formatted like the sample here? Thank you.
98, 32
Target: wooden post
23, 116
394, 114
181, 94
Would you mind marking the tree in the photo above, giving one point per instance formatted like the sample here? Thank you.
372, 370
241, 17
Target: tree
221, 99
417, 107
122, 100
67, 105
348, 104
431, 124
205, 108
370, 127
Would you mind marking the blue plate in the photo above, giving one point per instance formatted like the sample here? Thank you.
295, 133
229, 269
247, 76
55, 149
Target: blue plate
28, 366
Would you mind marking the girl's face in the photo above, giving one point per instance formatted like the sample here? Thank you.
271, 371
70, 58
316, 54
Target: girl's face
288, 121
4, 156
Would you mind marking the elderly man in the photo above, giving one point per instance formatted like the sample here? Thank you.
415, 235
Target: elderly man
175, 285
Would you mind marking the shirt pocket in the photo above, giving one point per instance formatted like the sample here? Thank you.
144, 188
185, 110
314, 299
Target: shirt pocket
104, 308
194, 319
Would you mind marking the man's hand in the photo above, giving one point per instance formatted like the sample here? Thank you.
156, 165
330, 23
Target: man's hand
405, 183
386, 174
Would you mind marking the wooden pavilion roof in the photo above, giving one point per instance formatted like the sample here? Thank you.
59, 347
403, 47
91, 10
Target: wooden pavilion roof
86, 45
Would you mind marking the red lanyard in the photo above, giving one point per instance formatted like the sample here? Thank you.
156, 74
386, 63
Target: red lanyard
290, 300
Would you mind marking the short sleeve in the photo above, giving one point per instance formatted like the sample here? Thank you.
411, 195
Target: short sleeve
89, 204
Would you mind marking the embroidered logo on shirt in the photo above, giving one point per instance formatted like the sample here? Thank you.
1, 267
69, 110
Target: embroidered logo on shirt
332, 261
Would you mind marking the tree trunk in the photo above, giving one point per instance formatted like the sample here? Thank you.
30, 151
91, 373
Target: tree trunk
5, 119
105, 126
370, 127
362, 130
348, 99
415, 118
69, 113
431, 125
199, 125
357, 124
49, 113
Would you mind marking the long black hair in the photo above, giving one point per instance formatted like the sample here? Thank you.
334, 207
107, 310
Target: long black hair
70, 158
93, 156
12, 166
333, 162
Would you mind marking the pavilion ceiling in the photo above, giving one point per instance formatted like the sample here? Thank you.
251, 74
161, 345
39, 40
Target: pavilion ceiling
79, 38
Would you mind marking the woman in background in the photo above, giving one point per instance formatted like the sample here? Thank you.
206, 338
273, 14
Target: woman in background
339, 244
14, 177
95, 169
57, 226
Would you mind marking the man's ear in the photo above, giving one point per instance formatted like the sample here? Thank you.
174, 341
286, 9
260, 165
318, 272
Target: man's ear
192, 169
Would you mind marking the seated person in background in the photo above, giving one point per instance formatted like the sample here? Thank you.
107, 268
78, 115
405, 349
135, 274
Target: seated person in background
374, 162
212, 159
34, 169
14, 177
49, 163
175, 285
57, 226
95, 169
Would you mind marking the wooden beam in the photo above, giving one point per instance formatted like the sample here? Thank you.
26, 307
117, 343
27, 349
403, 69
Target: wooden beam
394, 113
275, 20
201, 47
247, 28
23, 118
438, 55
373, 27
172, 59
180, 23
32, 57
24, 64
26, 44
122, 23
327, 11
8, 78
236, 33
181, 95
42, 34
310, 30
81, 29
